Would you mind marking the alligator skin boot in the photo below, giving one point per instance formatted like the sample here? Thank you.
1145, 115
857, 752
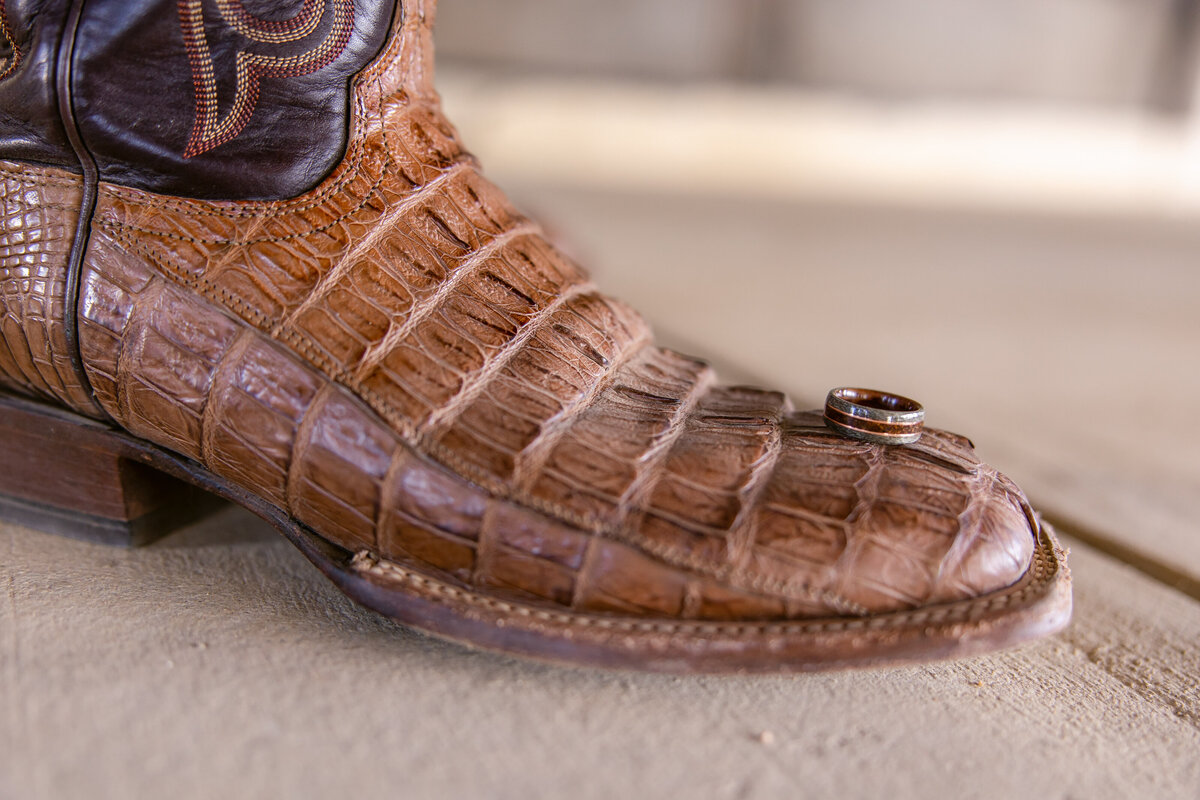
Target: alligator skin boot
242, 250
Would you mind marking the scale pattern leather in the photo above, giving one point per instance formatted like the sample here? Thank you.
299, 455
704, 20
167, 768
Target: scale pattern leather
40, 208
402, 361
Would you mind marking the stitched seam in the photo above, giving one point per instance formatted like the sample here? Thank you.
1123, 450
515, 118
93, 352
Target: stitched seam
274, 31
375, 184
353, 256
208, 131
45, 175
372, 189
1044, 570
355, 155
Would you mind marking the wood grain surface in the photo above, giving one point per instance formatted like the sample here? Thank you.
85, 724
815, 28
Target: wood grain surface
218, 662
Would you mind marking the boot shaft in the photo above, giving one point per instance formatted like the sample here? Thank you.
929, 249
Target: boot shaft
222, 100
31, 128
215, 99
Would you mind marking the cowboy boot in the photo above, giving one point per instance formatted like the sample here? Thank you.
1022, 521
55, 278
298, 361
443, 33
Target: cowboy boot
242, 247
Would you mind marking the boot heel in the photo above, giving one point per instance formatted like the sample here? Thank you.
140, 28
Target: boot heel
67, 475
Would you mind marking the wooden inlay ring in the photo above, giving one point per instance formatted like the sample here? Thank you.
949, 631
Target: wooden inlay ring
874, 416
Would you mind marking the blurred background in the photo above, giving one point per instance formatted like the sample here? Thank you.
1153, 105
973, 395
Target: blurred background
1082, 105
1127, 53
990, 205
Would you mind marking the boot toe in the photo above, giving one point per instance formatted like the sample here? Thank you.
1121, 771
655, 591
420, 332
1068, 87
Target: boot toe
852, 528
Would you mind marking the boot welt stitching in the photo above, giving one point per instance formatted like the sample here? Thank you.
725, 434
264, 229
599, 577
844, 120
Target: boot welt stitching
1045, 569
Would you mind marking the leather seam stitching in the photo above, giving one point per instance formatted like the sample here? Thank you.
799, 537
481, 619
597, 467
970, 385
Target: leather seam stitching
372, 189
44, 175
355, 156
1043, 571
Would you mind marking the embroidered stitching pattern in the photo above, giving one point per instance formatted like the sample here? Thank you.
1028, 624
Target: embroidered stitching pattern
272, 31
209, 130
367, 86
8, 65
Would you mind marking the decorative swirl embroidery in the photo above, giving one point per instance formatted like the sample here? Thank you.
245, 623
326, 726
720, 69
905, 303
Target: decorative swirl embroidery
210, 130
11, 60
269, 31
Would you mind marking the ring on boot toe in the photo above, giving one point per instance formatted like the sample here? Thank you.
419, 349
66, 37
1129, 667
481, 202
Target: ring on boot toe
873, 416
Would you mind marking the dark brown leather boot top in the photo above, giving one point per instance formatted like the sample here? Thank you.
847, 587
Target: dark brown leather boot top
243, 237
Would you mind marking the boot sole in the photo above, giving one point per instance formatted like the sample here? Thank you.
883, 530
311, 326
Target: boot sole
72, 476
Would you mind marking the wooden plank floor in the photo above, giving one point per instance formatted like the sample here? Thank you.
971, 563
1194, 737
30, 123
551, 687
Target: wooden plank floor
218, 663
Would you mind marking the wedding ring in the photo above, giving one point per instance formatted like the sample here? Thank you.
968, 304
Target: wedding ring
872, 416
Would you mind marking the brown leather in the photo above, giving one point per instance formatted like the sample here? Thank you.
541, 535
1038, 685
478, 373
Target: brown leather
215, 98
37, 226
30, 126
402, 362
160, 103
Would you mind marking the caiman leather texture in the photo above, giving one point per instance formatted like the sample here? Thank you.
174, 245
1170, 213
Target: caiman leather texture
38, 217
404, 364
